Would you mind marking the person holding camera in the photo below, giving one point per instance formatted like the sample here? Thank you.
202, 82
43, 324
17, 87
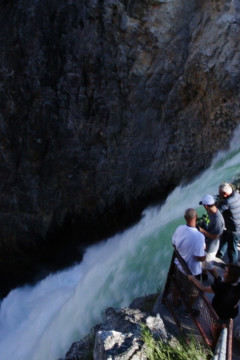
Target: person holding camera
212, 232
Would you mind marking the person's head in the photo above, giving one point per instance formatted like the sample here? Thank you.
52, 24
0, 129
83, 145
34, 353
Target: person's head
191, 216
231, 273
225, 190
208, 202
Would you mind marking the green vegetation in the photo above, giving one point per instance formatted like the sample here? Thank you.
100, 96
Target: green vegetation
173, 350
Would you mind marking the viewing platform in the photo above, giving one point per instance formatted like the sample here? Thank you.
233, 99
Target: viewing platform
203, 325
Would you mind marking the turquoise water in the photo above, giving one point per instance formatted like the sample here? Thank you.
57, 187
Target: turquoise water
41, 322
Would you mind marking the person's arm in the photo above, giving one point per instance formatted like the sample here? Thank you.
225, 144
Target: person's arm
200, 246
208, 234
199, 285
200, 258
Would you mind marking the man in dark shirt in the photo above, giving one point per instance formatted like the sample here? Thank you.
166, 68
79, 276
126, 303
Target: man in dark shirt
212, 233
230, 209
226, 293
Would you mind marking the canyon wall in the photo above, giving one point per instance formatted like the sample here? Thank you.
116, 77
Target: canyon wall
105, 106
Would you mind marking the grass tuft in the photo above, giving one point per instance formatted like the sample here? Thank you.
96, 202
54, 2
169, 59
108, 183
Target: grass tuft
173, 350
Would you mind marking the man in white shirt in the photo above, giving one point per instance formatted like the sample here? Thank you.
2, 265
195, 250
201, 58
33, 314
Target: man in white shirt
190, 244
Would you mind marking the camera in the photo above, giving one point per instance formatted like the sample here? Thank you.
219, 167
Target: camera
202, 221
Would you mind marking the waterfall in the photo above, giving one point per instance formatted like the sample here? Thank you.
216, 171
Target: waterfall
41, 322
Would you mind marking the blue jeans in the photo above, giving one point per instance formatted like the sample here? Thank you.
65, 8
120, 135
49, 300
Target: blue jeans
229, 242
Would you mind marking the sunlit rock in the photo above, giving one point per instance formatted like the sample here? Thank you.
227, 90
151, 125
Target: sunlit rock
119, 336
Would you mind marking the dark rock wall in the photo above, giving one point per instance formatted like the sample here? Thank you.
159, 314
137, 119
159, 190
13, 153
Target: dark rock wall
106, 105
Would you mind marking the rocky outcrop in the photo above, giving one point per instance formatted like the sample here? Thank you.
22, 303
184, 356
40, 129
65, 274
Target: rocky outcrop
105, 106
119, 336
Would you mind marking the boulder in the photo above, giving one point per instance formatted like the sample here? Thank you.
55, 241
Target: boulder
119, 336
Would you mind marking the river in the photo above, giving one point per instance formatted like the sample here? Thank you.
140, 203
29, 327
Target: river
41, 322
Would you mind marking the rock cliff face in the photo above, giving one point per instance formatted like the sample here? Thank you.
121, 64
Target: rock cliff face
106, 105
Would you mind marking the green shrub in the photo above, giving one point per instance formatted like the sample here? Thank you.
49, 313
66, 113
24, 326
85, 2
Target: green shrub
173, 350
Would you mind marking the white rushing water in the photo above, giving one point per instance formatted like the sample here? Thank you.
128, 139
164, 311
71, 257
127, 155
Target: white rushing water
41, 322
